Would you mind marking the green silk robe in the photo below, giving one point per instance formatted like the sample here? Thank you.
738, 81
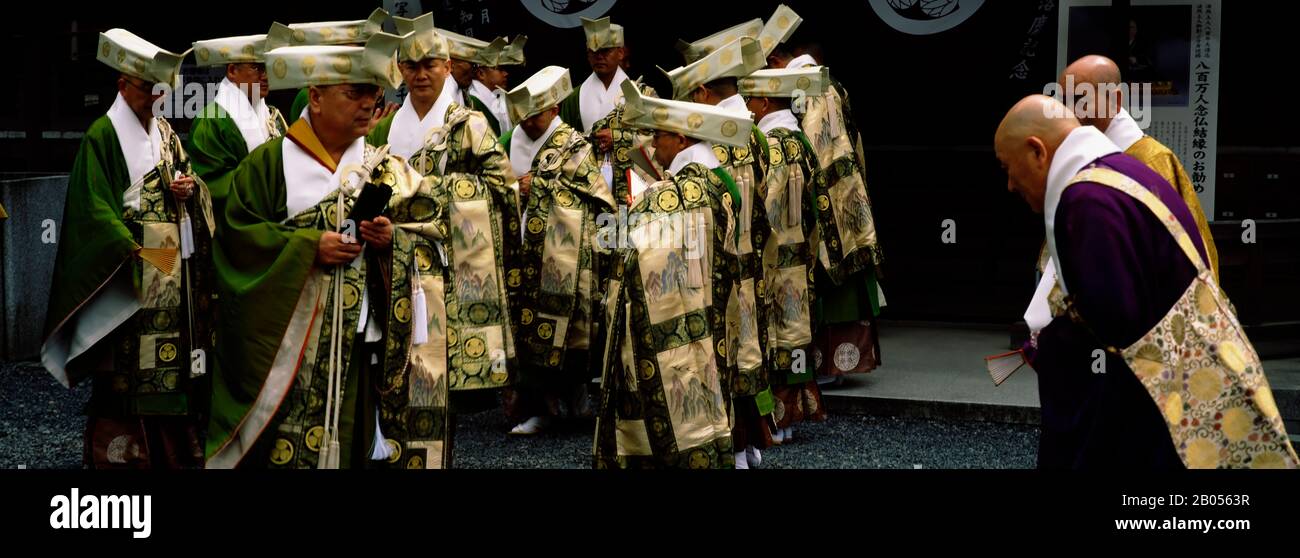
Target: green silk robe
103, 240
216, 146
269, 395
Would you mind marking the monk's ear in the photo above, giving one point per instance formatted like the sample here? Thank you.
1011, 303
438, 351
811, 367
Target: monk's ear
1037, 149
699, 94
313, 99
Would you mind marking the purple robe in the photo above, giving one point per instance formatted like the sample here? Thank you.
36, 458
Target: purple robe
1124, 271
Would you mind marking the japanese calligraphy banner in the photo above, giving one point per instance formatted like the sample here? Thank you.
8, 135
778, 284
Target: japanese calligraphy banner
1173, 45
402, 8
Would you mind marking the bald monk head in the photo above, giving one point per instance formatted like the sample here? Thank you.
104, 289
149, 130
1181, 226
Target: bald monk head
1026, 141
1103, 81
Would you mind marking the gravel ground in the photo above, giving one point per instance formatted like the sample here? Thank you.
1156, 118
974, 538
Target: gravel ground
842, 442
41, 425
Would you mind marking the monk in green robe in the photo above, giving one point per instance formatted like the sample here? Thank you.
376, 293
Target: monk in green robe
131, 300
334, 332
239, 119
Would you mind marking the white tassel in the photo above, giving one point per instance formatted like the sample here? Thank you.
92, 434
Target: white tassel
187, 237
381, 450
330, 455
419, 312
607, 172
327, 448
186, 231
696, 254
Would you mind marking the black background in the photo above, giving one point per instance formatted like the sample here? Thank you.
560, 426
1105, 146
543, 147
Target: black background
681, 513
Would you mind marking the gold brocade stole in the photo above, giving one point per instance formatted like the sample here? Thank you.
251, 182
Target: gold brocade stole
1199, 368
848, 239
744, 338
787, 285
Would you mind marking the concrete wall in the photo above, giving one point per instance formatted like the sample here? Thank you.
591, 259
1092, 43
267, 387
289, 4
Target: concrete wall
28, 261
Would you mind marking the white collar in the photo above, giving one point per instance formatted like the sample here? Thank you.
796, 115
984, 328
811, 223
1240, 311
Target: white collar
1039, 312
495, 101
779, 119
408, 131
523, 149
801, 61
141, 148
701, 152
251, 119
477, 89
734, 103
1124, 131
306, 181
595, 101
1084, 145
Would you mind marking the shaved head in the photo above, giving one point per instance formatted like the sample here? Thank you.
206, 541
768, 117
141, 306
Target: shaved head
1026, 141
1036, 116
1093, 68
1102, 76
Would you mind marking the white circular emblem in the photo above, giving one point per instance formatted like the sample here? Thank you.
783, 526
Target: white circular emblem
925, 17
847, 357
567, 13
120, 448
